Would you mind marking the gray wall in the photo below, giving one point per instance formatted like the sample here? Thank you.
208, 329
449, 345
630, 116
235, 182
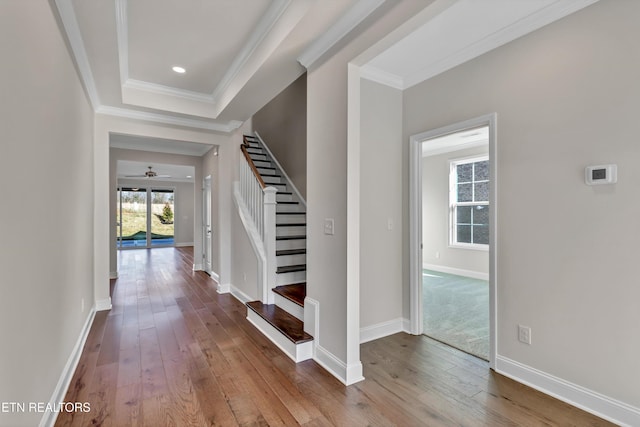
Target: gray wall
435, 218
184, 205
380, 205
46, 170
282, 124
567, 96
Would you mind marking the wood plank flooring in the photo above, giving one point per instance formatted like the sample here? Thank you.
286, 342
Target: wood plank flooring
174, 352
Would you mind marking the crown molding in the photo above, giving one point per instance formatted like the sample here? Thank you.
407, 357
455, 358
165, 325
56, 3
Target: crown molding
167, 90
375, 74
339, 30
228, 127
70, 24
269, 19
122, 33
528, 24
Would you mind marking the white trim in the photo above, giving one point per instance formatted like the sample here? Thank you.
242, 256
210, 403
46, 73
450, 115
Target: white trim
103, 304
415, 222
229, 127
70, 24
573, 394
167, 91
297, 352
262, 29
113, 275
49, 417
456, 271
284, 173
381, 330
198, 267
122, 34
338, 30
224, 288
215, 276
183, 244
289, 306
377, 75
239, 295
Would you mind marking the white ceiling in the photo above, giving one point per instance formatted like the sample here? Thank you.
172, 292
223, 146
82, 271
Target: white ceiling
239, 54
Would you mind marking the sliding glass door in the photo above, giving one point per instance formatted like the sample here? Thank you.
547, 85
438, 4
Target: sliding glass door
145, 217
162, 208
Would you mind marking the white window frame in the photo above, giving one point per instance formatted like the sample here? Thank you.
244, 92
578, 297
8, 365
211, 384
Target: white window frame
453, 202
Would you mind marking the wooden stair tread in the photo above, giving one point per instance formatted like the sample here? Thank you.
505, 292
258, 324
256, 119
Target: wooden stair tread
291, 268
290, 213
293, 224
291, 237
294, 293
288, 325
285, 252
287, 203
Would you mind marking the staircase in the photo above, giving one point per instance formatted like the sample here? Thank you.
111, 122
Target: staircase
280, 317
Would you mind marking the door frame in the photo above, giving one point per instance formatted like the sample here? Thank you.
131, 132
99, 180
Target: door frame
415, 221
207, 249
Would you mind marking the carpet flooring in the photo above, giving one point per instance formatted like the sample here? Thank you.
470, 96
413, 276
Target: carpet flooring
456, 311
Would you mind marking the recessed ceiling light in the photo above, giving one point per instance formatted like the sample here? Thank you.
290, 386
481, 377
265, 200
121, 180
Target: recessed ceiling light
179, 70
188, 176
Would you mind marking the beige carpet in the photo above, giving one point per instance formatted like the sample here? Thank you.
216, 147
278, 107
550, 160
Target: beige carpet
456, 311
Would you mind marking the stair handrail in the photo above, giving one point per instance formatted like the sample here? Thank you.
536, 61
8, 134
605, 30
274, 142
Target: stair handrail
252, 165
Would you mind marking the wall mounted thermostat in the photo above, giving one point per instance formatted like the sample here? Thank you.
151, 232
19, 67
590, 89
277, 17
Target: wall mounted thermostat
601, 174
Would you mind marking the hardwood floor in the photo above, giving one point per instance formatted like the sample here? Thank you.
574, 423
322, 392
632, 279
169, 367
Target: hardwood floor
174, 352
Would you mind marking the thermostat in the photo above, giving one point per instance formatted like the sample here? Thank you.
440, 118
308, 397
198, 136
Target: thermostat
601, 174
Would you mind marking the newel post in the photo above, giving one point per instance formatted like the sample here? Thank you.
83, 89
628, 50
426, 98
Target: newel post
269, 239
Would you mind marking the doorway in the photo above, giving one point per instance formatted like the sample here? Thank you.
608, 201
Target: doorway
452, 202
207, 226
145, 217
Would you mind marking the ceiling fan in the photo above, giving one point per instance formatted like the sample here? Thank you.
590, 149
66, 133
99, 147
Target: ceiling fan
149, 174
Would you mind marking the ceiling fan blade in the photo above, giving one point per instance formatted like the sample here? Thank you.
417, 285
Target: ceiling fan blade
135, 176
162, 176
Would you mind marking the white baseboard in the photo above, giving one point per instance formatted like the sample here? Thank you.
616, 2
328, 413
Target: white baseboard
198, 267
49, 417
381, 330
215, 276
103, 304
457, 271
239, 295
113, 275
183, 245
406, 326
603, 406
297, 352
224, 288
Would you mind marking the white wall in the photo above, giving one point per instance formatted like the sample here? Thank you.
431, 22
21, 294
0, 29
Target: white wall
380, 205
184, 204
46, 171
435, 219
566, 96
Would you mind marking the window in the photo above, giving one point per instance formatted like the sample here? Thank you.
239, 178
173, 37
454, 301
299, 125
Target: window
469, 202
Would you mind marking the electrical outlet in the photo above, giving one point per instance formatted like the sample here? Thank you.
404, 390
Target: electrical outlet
390, 224
437, 254
244, 277
82, 305
524, 334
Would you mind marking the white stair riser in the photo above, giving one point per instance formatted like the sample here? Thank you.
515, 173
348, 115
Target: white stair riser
283, 260
290, 307
284, 197
258, 157
297, 353
287, 219
262, 169
269, 179
291, 244
280, 207
259, 163
291, 231
291, 278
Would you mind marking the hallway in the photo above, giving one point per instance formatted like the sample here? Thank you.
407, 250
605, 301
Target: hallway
174, 352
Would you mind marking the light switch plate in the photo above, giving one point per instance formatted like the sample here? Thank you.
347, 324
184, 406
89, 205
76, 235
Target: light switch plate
329, 226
